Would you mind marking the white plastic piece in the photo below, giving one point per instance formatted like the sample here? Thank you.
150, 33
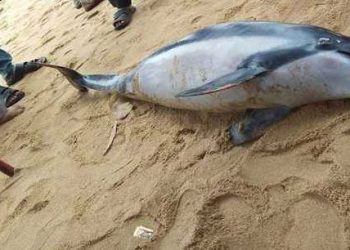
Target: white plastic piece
143, 233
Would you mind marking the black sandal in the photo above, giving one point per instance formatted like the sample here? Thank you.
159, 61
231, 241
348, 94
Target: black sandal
11, 96
123, 17
21, 69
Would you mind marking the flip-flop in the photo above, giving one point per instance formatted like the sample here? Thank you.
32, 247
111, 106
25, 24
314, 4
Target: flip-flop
11, 96
123, 17
21, 69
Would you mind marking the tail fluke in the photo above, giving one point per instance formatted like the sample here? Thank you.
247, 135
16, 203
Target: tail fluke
85, 82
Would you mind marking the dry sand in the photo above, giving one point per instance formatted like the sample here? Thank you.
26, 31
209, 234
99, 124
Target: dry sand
169, 170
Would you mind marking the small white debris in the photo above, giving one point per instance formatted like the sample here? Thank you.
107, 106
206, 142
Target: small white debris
143, 233
121, 110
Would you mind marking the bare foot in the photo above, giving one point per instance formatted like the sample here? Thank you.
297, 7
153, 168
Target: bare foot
12, 112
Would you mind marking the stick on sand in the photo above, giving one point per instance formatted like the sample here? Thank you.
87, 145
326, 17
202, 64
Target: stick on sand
6, 169
121, 111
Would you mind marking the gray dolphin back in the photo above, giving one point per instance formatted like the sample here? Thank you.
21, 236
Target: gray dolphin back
235, 66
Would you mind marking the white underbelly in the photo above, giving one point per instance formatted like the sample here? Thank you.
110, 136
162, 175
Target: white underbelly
315, 78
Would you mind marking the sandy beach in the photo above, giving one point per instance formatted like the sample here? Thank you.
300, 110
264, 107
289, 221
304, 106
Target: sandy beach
169, 170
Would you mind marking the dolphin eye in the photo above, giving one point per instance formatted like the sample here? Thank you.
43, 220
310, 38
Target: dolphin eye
325, 41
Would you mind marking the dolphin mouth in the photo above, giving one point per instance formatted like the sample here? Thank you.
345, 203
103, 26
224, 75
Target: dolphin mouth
13, 97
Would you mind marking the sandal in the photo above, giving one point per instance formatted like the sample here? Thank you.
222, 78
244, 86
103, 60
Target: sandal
21, 69
11, 96
123, 17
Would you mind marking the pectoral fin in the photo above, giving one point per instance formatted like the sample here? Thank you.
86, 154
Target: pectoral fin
253, 66
241, 75
255, 123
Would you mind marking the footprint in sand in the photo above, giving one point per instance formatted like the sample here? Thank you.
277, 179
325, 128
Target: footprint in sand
92, 15
155, 4
22, 205
316, 226
230, 13
39, 206
182, 231
236, 211
45, 16
196, 19
238, 219
47, 40
28, 203
267, 170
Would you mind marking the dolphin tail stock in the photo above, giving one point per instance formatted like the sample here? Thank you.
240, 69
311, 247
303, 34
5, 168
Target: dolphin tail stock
81, 82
